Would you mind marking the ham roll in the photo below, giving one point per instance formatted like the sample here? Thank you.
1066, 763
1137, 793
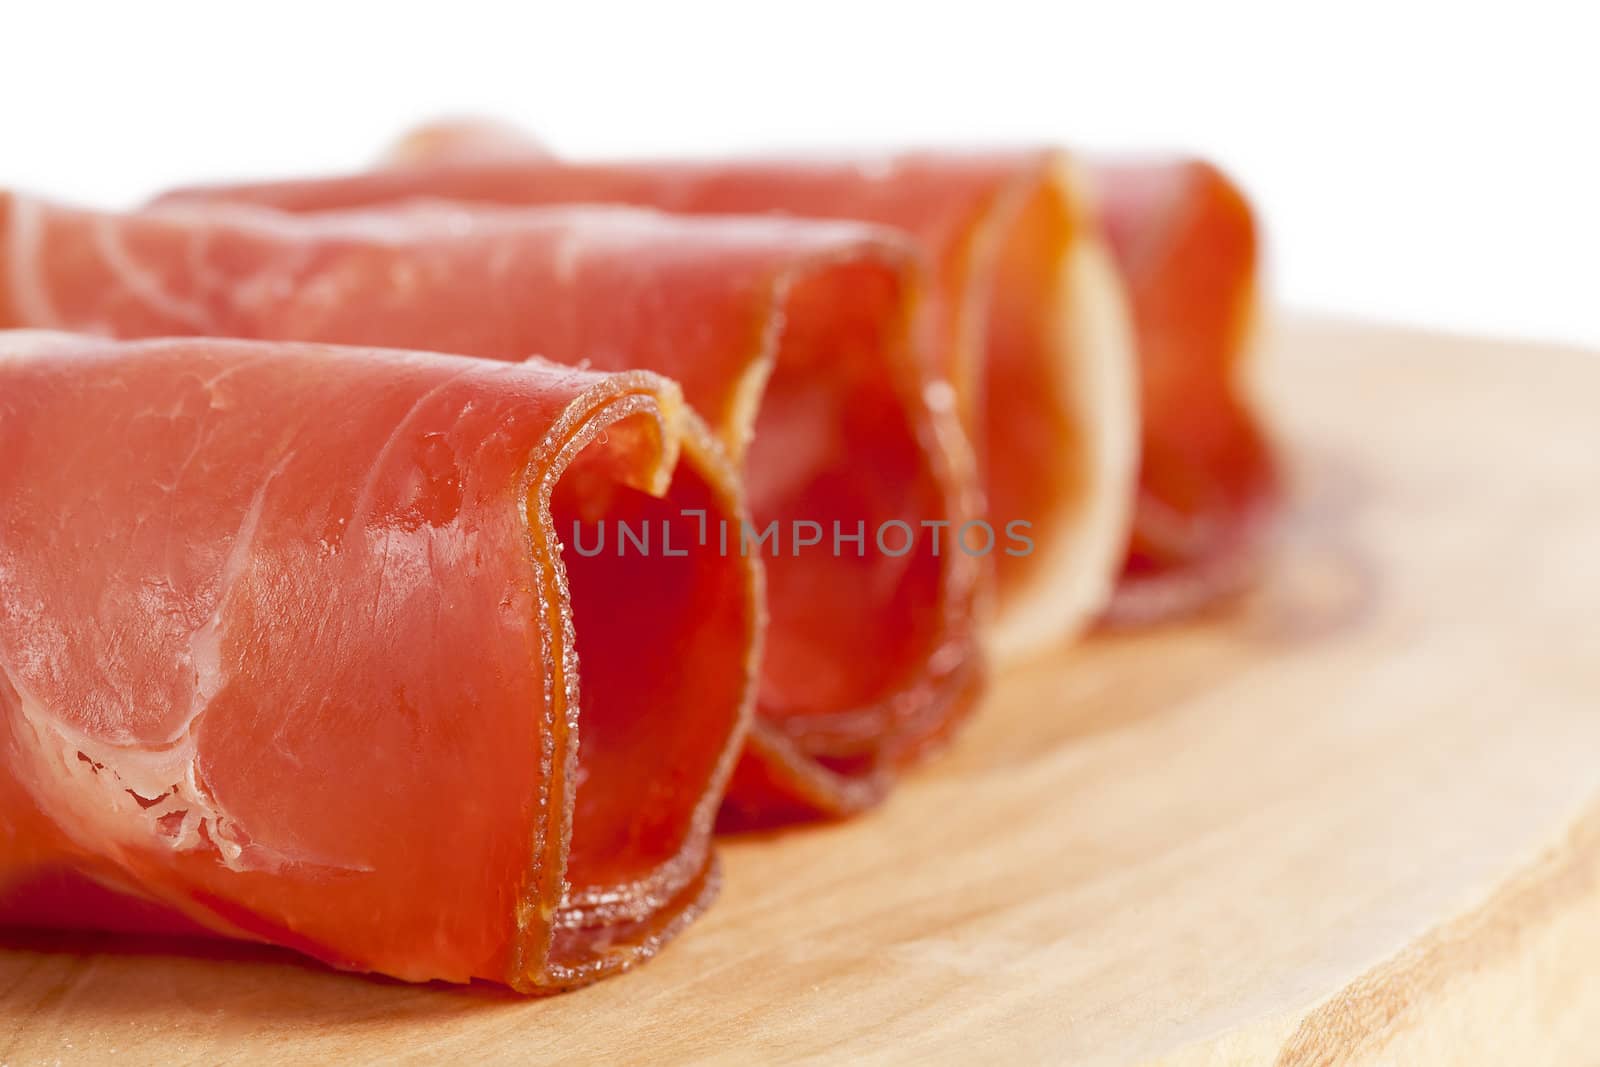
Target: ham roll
1185, 240
1027, 320
1186, 248
799, 343
291, 651
461, 140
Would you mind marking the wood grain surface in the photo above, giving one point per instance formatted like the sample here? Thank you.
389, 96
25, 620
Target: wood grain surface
1354, 818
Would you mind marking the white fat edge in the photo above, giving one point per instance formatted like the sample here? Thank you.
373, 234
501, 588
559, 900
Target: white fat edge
22, 254
145, 284
1075, 573
93, 790
114, 799
111, 797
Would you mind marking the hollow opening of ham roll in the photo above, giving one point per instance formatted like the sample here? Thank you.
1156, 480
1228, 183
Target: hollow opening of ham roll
870, 635
654, 613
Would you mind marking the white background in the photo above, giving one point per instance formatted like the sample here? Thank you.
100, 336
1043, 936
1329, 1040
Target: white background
1432, 164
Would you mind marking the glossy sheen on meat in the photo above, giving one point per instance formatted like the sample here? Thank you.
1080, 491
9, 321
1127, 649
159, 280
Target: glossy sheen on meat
1027, 319
798, 342
290, 651
1185, 239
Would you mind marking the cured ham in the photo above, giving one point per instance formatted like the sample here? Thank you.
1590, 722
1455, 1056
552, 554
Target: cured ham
798, 342
1027, 318
1185, 244
461, 140
1185, 240
290, 650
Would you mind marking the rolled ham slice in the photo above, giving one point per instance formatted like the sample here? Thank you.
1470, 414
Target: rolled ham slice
291, 651
1185, 239
1186, 246
461, 140
1028, 320
798, 342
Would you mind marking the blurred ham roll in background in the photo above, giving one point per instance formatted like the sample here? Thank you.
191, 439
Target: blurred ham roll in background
1185, 240
1026, 321
1031, 328
293, 654
1187, 253
799, 343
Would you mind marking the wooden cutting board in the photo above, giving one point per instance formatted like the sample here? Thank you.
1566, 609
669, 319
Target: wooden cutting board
1354, 819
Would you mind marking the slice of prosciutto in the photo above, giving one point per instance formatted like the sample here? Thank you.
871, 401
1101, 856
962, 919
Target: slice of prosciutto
798, 343
1186, 247
291, 651
460, 140
1185, 239
1027, 319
